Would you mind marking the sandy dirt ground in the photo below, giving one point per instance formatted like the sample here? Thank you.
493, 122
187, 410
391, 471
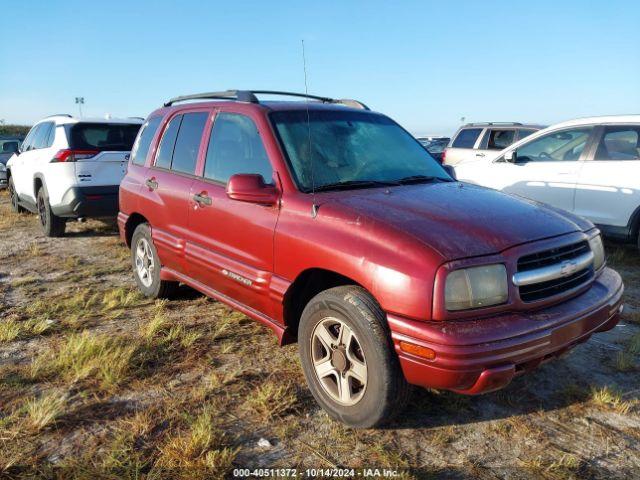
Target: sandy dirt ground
98, 382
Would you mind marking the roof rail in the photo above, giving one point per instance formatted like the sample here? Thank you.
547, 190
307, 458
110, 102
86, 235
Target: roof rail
250, 97
59, 115
136, 118
477, 124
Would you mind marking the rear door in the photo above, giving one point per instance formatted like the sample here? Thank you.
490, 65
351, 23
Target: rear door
494, 141
462, 146
230, 248
165, 192
103, 151
608, 187
546, 168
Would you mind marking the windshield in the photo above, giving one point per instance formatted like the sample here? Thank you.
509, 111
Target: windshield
355, 149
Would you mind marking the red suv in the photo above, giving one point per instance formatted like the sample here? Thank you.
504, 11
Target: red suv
333, 226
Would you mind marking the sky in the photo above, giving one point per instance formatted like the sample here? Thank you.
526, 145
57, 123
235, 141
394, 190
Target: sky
427, 64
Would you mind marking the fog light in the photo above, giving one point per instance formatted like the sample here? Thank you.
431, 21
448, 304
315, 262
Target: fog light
418, 350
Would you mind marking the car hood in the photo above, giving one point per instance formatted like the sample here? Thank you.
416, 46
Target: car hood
461, 220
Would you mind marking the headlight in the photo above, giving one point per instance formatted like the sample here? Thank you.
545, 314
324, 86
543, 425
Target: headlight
598, 252
2, 167
476, 287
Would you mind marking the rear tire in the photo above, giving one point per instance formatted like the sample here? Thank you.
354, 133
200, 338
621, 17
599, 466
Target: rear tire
13, 196
345, 346
52, 225
146, 265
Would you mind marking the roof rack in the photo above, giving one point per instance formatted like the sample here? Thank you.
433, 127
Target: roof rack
477, 124
249, 96
136, 118
59, 115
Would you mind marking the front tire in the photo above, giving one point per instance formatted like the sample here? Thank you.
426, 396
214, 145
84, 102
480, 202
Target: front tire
13, 196
52, 225
348, 358
146, 265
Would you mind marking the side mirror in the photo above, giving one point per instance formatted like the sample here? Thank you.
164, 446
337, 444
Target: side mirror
250, 187
450, 170
511, 156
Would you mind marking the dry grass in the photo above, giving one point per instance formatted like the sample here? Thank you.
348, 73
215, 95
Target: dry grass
610, 398
271, 400
42, 412
105, 360
201, 449
12, 329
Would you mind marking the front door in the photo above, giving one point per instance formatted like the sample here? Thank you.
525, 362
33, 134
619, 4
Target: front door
545, 169
230, 247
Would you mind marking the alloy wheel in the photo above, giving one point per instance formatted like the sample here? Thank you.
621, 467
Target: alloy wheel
145, 264
338, 361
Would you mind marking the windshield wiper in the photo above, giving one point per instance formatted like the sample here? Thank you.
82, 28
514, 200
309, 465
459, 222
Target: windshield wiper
420, 179
347, 184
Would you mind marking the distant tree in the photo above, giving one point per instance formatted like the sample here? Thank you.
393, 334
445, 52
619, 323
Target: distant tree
19, 130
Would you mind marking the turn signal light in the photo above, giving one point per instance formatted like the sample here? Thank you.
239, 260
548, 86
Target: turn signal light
417, 350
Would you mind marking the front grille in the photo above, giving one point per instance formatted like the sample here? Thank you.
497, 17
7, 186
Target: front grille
551, 257
539, 291
550, 288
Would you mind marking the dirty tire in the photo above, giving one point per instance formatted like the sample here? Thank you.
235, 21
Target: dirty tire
13, 196
386, 392
152, 286
52, 225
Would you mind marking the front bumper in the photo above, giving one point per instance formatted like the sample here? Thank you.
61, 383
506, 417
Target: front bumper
479, 356
100, 201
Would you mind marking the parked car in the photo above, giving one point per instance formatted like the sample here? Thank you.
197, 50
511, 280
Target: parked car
70, 168
436, 148
8, 146
475, 141
332, 226
432, 138
590, 167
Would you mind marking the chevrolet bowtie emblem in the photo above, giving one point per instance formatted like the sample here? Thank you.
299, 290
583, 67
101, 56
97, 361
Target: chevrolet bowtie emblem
568, 267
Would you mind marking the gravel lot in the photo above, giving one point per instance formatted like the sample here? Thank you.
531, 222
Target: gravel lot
97, 382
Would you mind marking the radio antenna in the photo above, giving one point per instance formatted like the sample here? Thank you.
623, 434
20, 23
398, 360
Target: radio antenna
314, 206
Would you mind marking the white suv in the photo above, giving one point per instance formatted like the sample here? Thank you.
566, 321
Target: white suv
589, 166
475, 141
70, 168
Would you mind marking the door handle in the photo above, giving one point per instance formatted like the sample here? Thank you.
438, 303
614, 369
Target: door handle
480, 155
202, 199
151, 183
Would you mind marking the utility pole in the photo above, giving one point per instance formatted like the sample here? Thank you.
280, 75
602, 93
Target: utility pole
80, 102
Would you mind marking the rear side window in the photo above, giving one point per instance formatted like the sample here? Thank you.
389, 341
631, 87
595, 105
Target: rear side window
499, 139
185, 152
165, 151
52, 135
103, 136
41, 135
619, 143
525, 133
235, 147
467, 138
141, 147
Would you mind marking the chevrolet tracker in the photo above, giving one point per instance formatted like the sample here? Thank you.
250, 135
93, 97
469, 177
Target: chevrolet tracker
333, 226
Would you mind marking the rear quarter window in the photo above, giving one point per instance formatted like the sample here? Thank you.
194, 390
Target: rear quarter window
103, 136
466, 138
142, 144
